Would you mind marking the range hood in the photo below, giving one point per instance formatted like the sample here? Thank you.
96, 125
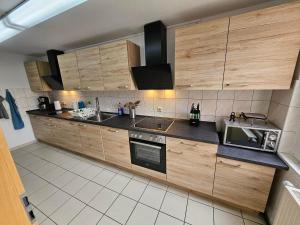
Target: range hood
156, 75
54, 79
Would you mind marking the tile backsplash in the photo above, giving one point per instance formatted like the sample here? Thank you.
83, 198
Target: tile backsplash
215, 105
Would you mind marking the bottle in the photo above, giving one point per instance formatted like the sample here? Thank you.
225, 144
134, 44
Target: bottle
191, 112
198, 112
120, 109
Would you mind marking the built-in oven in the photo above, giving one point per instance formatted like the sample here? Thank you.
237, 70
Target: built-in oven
148, 150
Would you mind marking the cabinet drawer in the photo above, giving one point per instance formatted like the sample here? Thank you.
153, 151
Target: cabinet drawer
242, 183
191, 164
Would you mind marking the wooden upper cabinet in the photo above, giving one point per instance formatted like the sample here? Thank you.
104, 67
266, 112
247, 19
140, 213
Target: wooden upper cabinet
243, 184
200, 51
263, 47
117, 58
69, 71
191, 164
35, 71
89, 67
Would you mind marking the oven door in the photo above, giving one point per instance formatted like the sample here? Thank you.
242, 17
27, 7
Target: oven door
148, 154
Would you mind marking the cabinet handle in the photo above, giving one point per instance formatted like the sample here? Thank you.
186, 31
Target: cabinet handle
184, 86
172, 151
123, 87
192, 145
230, 165
114, 131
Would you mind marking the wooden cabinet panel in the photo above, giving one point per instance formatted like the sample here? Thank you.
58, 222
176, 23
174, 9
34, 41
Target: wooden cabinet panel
191, 164
69, 71
89, 66
200, 55
116, 146
263, 47
117, 58
42, 128
35, 71
242, 183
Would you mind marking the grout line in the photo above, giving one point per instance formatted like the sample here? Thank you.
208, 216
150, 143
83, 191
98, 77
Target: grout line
186, 207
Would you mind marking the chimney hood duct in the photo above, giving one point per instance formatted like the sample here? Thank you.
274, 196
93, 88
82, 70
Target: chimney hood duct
157, 74
54, 79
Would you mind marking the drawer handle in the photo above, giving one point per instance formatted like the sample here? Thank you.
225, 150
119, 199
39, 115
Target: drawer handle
114, 131
192, 145
123, 87
172, 151
230, 165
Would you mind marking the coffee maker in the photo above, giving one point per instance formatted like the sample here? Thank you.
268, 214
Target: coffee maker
44, 103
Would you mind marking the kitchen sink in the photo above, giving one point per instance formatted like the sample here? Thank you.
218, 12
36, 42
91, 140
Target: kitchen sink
102, 117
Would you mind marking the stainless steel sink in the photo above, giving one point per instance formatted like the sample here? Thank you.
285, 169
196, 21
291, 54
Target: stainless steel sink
102, 117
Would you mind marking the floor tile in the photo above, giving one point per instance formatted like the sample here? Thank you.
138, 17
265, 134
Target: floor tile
201, 199
126, 173
103, 200
22, 171
121, 209
67, 211
153, 197
87, 216
54, 174
107, 167
45, 169
48, 222
142, 215
107, 221
42, 194
80, 167
53, 202
157, 184
178, 191
141, 179
32, 183
227, 208
104, 177
255, 217
40, 217
36, 165
70, 164
118, 183
164, 219
64, 179
88, 192
224, 218
91, 172
75, 185
248, 222
174, 205
134, 189
199, 214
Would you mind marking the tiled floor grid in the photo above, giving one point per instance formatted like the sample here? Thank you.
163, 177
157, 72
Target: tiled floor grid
65, 188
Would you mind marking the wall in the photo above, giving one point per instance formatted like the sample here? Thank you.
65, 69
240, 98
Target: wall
13, 77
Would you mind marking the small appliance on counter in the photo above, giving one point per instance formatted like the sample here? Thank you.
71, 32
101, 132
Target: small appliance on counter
195, 115
44, 103
57, 106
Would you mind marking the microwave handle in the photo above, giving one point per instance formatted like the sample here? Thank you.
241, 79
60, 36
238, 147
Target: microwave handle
266, 140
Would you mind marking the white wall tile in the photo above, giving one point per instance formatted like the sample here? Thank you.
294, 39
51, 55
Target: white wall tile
262, 95
226, 95
195, 94
277, 114
224, 107
210, 95
209, 107
241, 106
181, 106
260, 107
243, 95
182, 94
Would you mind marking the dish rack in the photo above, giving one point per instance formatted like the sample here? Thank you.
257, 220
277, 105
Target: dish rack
83, 113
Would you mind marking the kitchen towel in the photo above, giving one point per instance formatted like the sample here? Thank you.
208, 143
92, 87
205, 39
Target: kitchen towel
15, 114
3, 113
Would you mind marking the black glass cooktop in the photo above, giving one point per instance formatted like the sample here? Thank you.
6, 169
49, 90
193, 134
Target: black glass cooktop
154, 123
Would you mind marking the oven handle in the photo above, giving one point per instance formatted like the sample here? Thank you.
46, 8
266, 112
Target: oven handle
139, 143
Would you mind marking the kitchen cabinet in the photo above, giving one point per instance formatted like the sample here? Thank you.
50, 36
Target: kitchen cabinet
35, 71
243, 184
69, 71
42, 128
116, 146
200, 51
117, 58
191, 164
263, 47
89, 68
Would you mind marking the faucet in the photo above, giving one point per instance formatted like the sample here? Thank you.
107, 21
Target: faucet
98, 112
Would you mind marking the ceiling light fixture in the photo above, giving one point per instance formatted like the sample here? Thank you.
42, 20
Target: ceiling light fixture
31, 13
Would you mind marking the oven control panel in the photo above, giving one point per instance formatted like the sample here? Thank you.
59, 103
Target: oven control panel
147, 137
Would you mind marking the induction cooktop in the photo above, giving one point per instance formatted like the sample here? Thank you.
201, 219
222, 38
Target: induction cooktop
154, 123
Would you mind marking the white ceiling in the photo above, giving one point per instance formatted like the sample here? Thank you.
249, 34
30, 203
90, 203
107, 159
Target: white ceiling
102, 20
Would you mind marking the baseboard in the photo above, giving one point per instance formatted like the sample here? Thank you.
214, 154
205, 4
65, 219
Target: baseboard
23, 145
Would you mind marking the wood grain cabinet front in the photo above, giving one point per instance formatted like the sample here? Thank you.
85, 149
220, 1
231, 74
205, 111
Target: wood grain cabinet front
116, 146
243, 184
35, 71
191, 164
42, 128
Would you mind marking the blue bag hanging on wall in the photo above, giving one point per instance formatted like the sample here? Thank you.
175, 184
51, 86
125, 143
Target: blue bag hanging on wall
15, 114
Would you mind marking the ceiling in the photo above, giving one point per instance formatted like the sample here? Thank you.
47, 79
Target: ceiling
102, 20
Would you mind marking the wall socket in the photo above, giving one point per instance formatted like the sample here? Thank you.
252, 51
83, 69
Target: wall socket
159, 109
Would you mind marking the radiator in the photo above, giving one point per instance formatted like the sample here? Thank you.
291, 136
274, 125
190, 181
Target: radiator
289, 207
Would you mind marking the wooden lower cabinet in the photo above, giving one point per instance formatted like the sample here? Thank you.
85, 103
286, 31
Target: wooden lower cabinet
42, 128
116, 146
243, 184
191, 164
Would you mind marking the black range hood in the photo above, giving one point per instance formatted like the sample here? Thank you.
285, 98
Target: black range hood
54, 80
157, 74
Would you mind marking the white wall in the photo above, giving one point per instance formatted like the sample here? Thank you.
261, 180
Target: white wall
13, 77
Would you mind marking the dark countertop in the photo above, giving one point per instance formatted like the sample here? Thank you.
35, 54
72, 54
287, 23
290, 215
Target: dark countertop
251, 156
205, 132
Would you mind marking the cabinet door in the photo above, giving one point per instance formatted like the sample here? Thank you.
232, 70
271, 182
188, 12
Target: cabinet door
116, 146
242, 183
91, 140
200, 55
263, 47
89, 67
116, 71
33, 76
191, 164
42, 128
69, 71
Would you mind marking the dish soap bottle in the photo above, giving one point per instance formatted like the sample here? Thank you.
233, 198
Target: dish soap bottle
120, 111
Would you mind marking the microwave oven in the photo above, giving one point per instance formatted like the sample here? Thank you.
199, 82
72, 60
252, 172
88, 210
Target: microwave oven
256, 135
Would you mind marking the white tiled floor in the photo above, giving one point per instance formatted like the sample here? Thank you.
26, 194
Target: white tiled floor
68, 189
